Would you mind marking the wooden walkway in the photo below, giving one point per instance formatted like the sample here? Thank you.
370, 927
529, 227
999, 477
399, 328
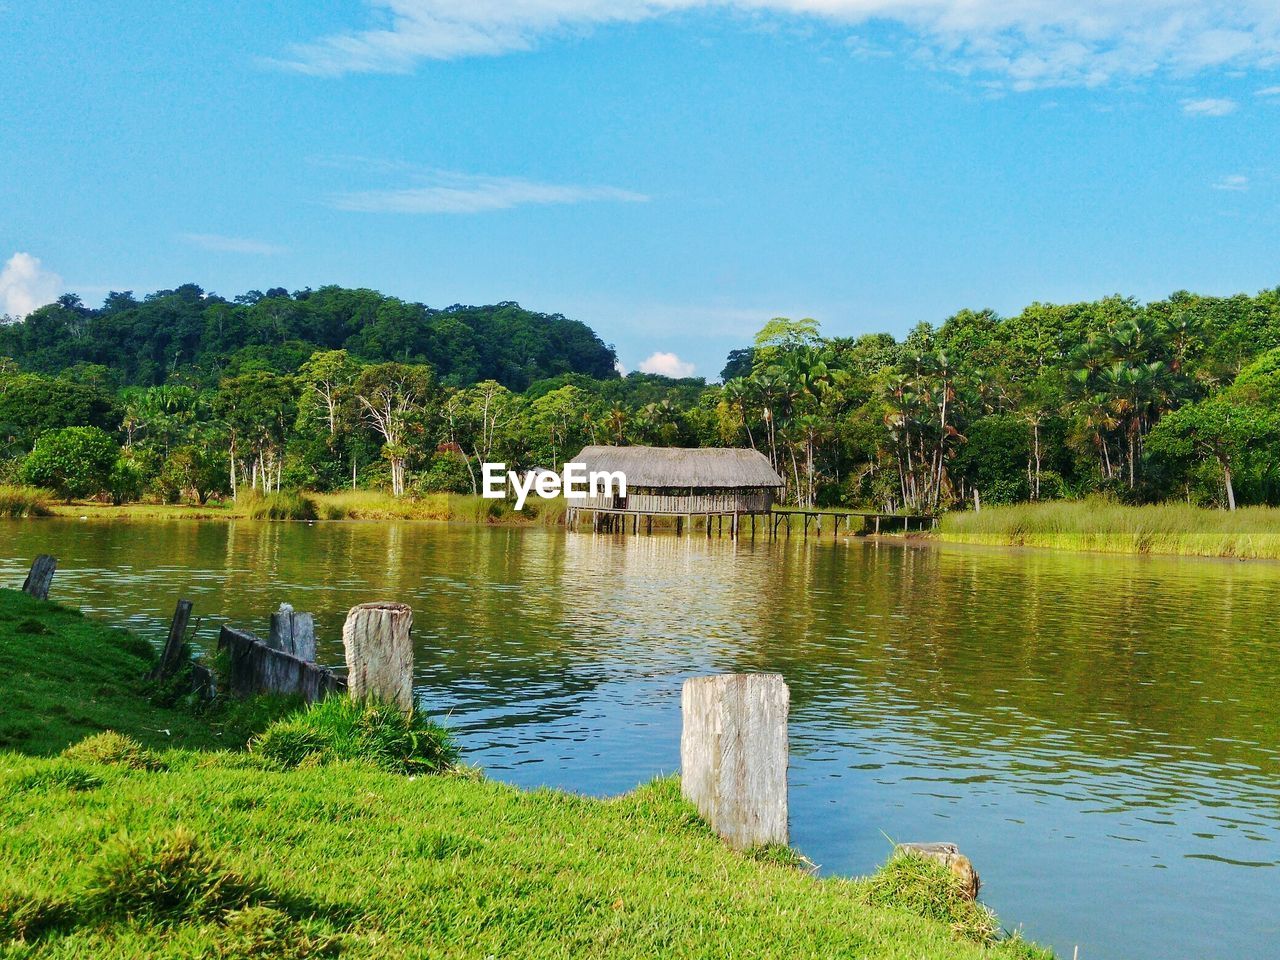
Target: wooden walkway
616, 521
871, 522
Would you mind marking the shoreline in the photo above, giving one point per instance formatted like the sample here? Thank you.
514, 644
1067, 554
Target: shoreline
385, 864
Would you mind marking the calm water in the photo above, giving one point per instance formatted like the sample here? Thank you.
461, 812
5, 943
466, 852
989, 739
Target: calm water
1100, 734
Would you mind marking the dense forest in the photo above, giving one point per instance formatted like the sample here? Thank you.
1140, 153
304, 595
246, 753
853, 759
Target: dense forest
184, 394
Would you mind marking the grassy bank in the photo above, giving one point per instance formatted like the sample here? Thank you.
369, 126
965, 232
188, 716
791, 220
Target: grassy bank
295, 505
1108, 527
17, 502
112, 852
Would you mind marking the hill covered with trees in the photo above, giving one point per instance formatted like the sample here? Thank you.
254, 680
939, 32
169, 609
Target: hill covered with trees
189, 336
184, 394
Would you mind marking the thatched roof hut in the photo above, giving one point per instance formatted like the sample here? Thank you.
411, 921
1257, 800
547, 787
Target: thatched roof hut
684, 468
683, 481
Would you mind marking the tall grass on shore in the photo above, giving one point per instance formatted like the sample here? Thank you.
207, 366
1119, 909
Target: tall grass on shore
17, 502
1105, 526
286, 505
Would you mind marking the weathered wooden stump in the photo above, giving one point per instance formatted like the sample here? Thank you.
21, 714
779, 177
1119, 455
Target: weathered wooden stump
293, 632
733, 755
379, 654
171, 655
949, 855
40, 577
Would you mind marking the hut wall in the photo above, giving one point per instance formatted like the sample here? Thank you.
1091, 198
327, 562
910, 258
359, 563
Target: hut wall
714, 501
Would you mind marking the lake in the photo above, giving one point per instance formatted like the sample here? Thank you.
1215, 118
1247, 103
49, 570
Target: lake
1100, 734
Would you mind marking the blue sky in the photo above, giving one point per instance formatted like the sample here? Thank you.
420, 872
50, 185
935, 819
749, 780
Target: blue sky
672, 172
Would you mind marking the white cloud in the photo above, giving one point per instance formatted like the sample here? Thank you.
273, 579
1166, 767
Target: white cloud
666, 364
25, 285
1267, 92
220, 244
1209, 107
1236, 182
445, 192
1024, 43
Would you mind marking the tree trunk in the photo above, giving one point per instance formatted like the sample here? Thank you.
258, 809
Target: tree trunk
1231, 492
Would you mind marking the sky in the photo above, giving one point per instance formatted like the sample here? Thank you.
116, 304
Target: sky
672, 172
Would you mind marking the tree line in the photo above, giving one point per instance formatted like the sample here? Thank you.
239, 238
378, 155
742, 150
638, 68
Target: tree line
185, 394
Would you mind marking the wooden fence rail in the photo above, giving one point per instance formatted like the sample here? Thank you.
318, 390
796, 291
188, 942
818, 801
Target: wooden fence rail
257, 667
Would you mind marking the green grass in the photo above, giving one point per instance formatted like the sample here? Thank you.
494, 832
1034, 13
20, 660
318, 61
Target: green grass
123, 849
306, 505
64, 677
1108, 527
340, 729
17, 502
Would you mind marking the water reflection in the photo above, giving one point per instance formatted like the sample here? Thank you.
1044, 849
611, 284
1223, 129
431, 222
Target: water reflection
1099, 733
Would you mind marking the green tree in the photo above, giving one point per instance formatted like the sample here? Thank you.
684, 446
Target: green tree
1217, 429
396, 400
72, 462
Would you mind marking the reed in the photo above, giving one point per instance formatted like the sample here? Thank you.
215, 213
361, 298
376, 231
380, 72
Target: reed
17, 502
287, 505
1105, 526
376, 505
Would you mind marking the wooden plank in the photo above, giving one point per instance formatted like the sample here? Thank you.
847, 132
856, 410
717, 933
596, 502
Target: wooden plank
733, 755
40, 576
379, 652
255, 667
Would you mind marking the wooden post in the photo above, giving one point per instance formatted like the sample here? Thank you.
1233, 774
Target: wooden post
293, 632
733, 755
648, 524
679, 525
170, 656
379, 654
41, 575
949, 855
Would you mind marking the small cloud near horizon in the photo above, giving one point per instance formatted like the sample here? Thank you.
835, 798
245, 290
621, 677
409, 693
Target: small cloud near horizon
1209, 107
26, 285
1236, 182
667, 365
217, 243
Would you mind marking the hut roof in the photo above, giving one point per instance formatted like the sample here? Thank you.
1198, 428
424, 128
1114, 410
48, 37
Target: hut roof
683, 466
